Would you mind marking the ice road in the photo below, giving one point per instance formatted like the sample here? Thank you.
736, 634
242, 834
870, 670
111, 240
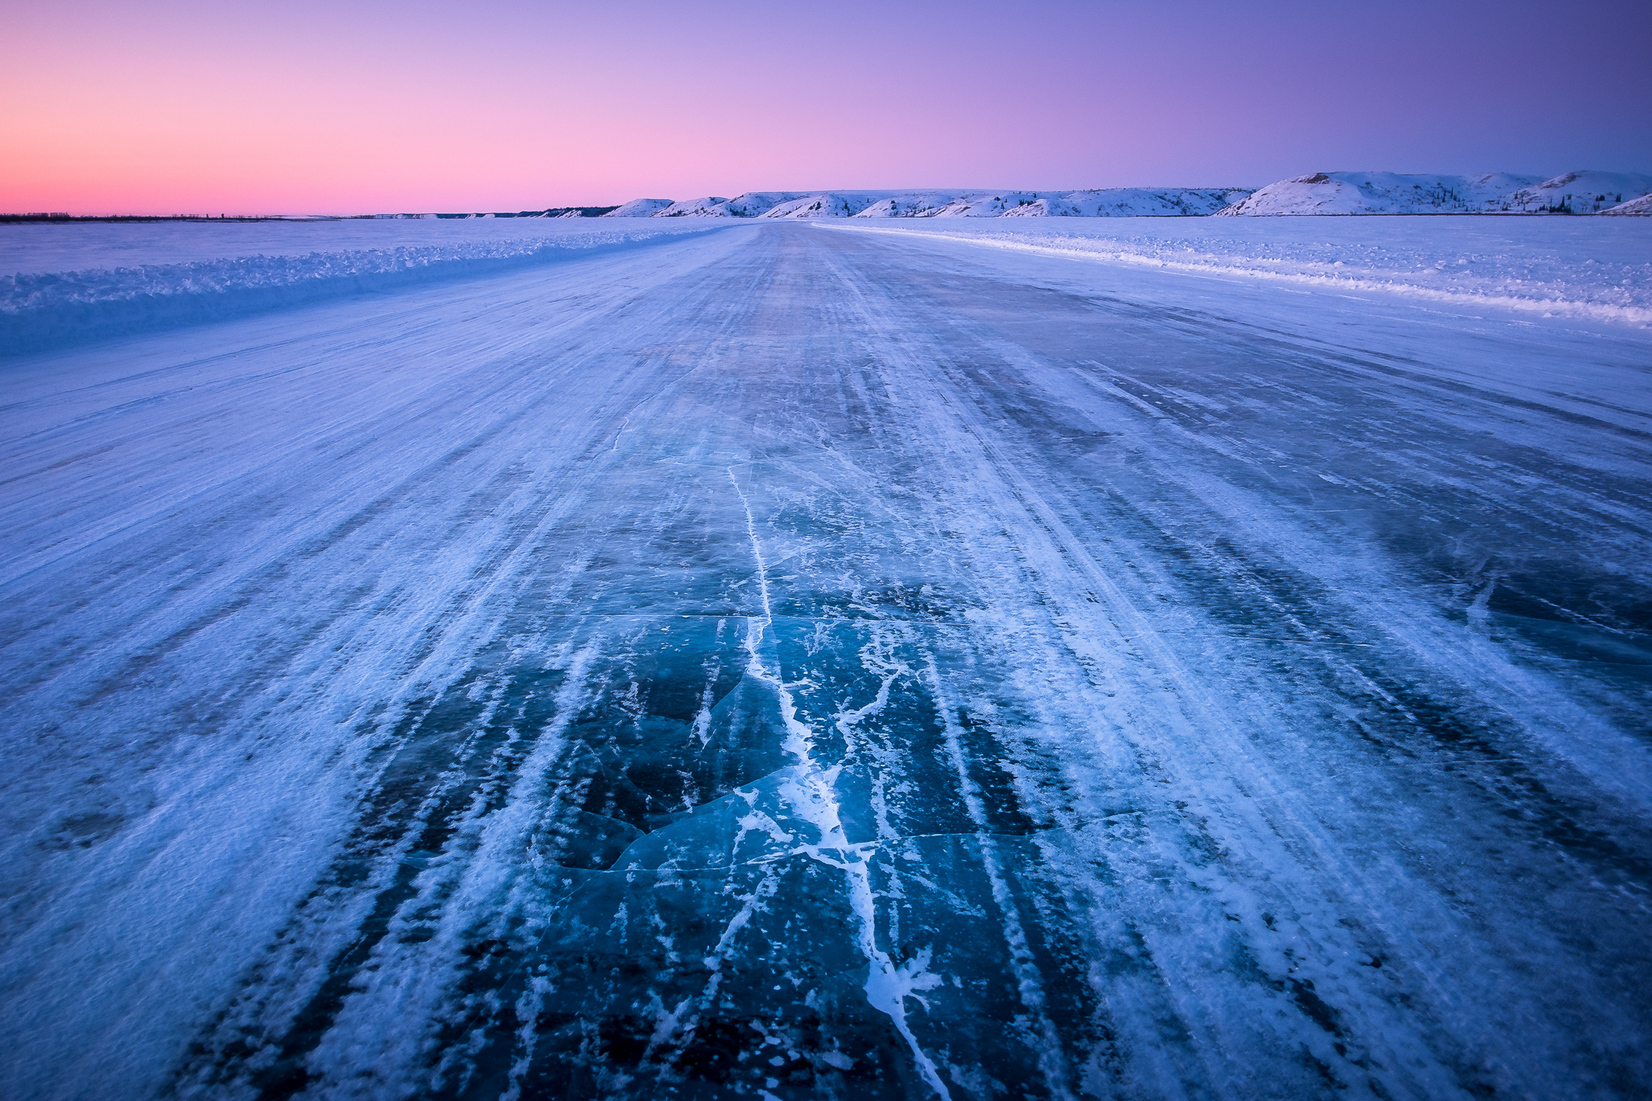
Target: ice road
793, 661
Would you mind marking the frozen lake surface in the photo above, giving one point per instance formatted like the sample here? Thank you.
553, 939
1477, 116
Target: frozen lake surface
821, 661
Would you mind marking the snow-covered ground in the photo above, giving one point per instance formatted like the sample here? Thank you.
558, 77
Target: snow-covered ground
801, 661
67, 282
1567, 266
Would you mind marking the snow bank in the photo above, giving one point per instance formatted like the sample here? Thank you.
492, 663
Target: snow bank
66, 284
1581, 267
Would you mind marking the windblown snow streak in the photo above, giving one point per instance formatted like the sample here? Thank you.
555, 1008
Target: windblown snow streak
791, 663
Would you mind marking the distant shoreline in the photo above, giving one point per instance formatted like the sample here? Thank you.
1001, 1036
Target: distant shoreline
52, 218
553, 212
1322, 194
63, 219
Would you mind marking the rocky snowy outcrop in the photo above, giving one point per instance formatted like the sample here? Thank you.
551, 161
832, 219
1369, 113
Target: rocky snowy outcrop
1641, 206
1117, 202
1582, 192
826, 205
1321, 193
1396, 193
639, 208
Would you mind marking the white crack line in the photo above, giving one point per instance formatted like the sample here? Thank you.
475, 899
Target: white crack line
814, 796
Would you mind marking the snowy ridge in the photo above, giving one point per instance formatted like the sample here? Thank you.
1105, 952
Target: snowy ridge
1641, 206
45, 308
1114, 202
638, 208
1346, 193
1131, 202
1581, 192
1532, 269
1394, 193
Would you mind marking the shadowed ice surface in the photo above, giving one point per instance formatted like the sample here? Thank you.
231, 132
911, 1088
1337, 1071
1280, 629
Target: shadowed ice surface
796, 663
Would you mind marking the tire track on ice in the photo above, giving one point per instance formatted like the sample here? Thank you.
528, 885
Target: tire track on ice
1098, 625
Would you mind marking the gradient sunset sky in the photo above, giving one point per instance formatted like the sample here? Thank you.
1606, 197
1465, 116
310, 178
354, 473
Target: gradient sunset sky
306, 106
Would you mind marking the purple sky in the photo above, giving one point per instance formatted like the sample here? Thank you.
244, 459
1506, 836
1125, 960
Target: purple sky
180, 105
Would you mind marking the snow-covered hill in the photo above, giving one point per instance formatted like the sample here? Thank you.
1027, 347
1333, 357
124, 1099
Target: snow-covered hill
1321, 193
639, 208
1641, 206
1582, 192
824, 205
1116, 202
709, 206
1394, 193
1132, 202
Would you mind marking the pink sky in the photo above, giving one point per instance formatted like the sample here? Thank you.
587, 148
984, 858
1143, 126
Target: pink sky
305, 107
